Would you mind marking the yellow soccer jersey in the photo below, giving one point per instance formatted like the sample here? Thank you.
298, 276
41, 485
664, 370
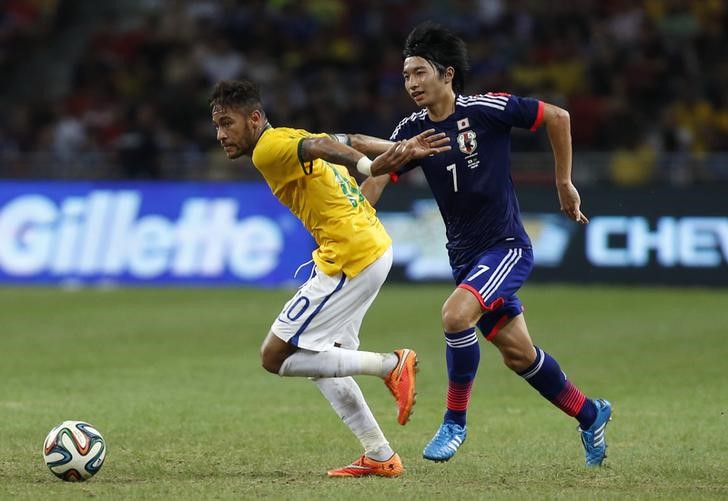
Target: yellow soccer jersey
325, 198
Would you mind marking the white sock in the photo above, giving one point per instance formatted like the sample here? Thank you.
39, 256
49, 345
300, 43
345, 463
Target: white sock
347, 400
338, 362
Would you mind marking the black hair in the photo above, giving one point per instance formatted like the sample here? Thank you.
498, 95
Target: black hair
441, 48
241, 94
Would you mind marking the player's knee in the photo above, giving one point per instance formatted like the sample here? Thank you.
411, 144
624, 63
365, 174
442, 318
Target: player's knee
453, 320
347, 399
516, 359
271, 367
270, 361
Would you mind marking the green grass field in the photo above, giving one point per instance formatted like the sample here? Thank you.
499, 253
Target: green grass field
172, 380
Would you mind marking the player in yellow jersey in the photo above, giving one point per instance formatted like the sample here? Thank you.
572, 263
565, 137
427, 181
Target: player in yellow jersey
316, 334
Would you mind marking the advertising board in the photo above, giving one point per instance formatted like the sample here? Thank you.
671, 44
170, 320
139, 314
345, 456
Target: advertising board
148, 233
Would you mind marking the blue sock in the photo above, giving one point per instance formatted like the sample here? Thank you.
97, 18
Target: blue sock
463, 356
549, 380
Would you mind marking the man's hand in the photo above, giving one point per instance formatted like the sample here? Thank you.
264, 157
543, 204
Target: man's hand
420, 146
398, 154
429, 143
570, 202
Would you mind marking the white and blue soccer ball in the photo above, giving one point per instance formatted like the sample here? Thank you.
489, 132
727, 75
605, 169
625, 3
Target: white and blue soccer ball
74, 451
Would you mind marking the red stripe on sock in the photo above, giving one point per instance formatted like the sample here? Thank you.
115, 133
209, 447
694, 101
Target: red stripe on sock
570, 400
458, 396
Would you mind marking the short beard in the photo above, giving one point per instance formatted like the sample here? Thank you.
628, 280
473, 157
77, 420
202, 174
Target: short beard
237, 154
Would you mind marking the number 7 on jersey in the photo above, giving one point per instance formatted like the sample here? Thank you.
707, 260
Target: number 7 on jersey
454, 171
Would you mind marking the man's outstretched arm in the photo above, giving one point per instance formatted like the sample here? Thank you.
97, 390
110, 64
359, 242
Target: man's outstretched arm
369, 145
426, 143
339, 153
390, 157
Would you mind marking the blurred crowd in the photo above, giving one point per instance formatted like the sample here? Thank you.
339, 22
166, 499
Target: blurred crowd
23, 23
645, 81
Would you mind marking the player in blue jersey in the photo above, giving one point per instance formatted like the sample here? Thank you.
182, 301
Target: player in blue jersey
489, 250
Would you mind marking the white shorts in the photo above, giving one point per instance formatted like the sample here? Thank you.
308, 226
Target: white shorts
327, 311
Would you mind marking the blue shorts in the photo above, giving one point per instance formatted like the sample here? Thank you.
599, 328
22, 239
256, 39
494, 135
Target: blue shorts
493, 279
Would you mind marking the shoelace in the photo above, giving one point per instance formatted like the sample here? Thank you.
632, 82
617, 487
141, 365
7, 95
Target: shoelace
592, 452
443, 438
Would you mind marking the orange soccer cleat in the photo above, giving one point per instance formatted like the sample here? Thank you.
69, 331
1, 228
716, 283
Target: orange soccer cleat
365, 467
401, 383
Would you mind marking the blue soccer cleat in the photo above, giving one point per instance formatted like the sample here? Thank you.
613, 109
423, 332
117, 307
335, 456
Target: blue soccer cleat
595, 446
446, 442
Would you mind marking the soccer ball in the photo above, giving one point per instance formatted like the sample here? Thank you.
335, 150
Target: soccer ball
74, 451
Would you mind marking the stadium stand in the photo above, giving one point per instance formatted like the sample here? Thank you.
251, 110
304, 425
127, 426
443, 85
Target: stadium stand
110, 90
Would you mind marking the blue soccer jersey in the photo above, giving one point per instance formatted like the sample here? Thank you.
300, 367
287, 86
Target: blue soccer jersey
472, 182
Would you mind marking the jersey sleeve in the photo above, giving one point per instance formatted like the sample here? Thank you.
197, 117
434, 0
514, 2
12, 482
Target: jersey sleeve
278, 155
507, 110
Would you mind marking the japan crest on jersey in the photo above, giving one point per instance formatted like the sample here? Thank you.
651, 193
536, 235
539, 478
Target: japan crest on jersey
466, 142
